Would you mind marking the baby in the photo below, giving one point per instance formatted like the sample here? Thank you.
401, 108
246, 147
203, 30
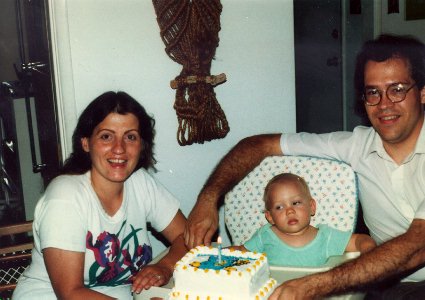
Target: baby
288, 239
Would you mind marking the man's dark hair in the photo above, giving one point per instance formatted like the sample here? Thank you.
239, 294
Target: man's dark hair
79, 161
388, 46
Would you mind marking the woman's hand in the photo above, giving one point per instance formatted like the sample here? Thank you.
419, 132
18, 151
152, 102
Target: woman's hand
160, 273
151, 275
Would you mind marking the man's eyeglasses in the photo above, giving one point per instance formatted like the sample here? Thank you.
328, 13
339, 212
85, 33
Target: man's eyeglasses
396, 92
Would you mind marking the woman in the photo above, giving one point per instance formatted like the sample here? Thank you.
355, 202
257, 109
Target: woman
90, 226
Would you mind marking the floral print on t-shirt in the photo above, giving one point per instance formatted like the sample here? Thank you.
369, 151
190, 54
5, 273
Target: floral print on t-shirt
115, 259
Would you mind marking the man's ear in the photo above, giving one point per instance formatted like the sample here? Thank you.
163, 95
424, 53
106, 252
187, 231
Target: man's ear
85, 144
423, 95
269, 217
313, 206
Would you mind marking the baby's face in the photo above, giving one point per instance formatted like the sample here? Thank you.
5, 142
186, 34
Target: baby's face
290, 208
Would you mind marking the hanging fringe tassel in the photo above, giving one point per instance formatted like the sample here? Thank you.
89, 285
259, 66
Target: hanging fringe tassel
189, 29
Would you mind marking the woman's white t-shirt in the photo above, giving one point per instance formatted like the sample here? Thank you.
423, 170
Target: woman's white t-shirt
69, 216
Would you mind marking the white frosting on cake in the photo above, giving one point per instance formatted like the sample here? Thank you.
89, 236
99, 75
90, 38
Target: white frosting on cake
247, 278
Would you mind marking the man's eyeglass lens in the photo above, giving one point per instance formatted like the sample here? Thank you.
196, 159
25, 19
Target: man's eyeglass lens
395, 92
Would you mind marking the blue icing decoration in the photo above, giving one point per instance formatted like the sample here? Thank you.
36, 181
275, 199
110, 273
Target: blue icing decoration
226, 262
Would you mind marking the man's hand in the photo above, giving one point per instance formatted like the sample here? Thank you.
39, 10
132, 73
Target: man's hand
201, 224
285, 293
297, 289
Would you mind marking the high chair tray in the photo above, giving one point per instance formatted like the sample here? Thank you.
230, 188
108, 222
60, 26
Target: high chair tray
282, 274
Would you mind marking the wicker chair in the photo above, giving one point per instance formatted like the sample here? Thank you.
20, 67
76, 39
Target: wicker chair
15, 255
333, 184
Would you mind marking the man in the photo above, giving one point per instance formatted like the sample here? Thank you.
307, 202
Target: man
389, 159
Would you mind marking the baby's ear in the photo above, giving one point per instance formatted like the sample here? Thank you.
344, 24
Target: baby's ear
269, 217
313, 207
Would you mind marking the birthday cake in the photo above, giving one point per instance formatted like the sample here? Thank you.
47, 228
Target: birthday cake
205, 274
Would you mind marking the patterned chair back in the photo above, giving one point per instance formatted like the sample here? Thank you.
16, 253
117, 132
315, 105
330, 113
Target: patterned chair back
16, 243
333, 184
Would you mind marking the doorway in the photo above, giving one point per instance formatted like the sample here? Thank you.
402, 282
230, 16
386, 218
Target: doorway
318, 65
327, 37
30, 149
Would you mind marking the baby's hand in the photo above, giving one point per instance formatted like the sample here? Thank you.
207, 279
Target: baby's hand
360, 242
366, 244
151, 275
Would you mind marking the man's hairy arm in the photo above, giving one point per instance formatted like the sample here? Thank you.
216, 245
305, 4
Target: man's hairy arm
395, 257
241, 159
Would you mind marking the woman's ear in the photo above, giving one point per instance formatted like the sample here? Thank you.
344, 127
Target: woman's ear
85, 144
423, 95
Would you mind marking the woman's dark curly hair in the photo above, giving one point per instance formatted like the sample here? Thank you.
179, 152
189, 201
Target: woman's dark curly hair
388, 46
121, 103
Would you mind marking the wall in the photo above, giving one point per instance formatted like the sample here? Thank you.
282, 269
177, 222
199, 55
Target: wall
397, 24
104, 45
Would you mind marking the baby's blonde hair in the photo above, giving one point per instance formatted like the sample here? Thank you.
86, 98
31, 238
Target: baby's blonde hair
282, 178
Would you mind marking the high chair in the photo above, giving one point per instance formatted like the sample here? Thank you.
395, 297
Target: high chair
333, 184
